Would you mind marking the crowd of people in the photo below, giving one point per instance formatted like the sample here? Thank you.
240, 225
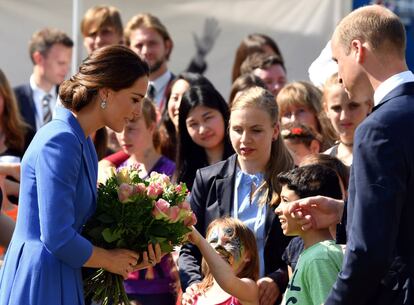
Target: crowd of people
268, 167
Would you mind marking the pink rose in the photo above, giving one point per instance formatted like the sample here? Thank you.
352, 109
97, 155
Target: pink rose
185, 205
164, 178
179, 188
140, 188
174, 214
161, 209
154, 190
190, 220
124, 192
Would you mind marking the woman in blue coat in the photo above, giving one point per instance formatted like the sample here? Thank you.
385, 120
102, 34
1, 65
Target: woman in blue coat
58, 185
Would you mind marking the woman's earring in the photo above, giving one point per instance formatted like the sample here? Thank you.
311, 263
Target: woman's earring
103, 104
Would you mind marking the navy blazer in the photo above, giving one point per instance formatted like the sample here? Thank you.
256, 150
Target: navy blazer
27, 107
380, 206
212, 198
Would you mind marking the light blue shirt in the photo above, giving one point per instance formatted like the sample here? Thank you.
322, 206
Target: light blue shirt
249, 210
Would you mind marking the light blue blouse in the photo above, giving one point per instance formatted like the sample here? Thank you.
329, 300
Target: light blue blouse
249, 210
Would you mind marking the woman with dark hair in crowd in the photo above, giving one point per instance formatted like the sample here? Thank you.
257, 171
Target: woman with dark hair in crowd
203, 132
169, 123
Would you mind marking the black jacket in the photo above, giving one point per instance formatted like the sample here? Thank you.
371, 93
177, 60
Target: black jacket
211, 198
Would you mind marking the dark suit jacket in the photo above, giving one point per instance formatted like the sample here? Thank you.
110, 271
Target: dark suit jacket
381, 199
24, 96
211, 198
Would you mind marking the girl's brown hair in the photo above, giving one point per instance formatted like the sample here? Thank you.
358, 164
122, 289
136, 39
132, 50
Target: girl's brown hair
248, 241
11, 122
280, 159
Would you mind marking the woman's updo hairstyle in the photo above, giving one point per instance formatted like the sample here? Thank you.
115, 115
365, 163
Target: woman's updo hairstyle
115, 67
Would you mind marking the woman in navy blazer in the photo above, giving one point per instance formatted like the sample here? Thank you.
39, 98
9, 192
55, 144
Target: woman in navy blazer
254, 134
58, 185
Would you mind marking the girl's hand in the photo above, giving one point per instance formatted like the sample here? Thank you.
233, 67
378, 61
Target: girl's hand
149, 258
268, 291
194, 236
190, 294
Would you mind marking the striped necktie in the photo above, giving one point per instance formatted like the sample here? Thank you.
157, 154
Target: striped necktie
47, 110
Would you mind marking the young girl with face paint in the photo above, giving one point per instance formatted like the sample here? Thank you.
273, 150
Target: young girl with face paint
230, 264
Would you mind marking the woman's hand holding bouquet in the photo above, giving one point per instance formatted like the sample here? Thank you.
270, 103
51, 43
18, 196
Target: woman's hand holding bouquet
132, 215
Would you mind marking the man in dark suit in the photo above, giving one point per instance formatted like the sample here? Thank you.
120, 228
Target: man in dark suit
369, 47
51, 52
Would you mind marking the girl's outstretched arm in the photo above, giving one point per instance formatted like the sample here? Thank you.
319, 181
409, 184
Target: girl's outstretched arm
245, 289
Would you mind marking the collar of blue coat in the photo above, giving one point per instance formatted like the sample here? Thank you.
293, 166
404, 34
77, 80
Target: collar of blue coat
67, 116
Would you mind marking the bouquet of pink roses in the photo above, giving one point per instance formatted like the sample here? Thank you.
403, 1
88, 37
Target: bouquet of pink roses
130, 214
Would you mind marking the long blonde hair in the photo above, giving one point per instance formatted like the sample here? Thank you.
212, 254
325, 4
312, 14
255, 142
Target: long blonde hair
280, 158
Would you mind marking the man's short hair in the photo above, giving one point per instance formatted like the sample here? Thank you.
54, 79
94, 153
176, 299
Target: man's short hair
101, 16
146, 20
375, 24
43, 40
260, 60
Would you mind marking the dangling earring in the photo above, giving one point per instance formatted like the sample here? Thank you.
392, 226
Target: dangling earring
103, 104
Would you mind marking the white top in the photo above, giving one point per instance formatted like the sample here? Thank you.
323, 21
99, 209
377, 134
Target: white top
391, 83
38, 95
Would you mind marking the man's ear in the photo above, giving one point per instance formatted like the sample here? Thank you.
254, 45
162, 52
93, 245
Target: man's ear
359, 50
38, 58
168, 47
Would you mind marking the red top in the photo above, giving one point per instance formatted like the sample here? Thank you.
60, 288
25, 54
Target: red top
230, 301
117, 158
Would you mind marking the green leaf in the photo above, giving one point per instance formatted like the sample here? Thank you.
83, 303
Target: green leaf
158, 230
96, 233
166, 248
110, 236
105, 218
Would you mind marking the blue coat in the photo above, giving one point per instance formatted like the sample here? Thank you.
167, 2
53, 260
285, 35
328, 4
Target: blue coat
57, 196
381, 199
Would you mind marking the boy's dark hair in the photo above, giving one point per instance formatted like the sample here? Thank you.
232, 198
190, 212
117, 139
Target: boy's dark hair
312, 180
260, 60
